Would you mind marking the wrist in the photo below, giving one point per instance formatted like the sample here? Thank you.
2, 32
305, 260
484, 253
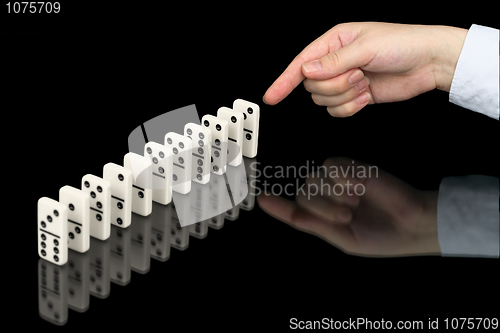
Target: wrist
428, 231
447, 46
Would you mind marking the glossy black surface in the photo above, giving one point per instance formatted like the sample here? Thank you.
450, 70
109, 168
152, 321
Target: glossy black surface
76, 91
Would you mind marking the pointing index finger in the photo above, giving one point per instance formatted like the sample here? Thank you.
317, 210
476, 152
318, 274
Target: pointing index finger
292, 75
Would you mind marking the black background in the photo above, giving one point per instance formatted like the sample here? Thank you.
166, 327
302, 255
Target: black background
75, 84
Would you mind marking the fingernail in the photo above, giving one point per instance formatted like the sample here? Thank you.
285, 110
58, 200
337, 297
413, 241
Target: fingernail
312, 66
361, 86
363, 98
356, 77
264, 100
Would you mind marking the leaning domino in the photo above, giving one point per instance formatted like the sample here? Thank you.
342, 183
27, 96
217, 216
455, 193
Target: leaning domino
142, 193
234, 134
251, 114
52, 231
120, 179
78, 203
219, 129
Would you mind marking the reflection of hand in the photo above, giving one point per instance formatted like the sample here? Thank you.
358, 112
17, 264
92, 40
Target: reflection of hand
390, 218
354, 64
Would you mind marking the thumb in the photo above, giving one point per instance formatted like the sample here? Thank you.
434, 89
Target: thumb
336, 62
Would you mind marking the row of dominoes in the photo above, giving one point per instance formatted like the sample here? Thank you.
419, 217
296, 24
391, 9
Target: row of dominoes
64, 287
88, 212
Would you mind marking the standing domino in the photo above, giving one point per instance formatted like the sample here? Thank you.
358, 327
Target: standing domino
100, 205
161, 171
78, 203
142, 193
251, 114
52, 231
219, 129
234, 134
201, 153
120, 179
181, 146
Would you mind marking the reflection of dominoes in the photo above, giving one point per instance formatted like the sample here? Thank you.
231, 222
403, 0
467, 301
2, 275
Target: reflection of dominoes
120, 179
53, 292
100, 285
234, 121
236, 179
161, 172
180, 234
119, 249
217, 221
219, 201
250, 167
180, 146
251, 114
199, 229
142, 194
160, 232
140, 243
78, 281
78, 203
219, 142
52, 231
202, 150
100, 205
198, 202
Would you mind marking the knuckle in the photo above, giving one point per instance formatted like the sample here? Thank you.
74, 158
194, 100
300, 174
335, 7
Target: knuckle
307, 85
335, 87
341, 111
332, 111
332, 59
316, 99
347, 110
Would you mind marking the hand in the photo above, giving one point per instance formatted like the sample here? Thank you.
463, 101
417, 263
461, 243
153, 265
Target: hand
356, 64
387, 217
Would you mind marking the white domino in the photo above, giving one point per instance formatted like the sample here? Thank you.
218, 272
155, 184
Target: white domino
161, 171
234, 134
142, 193
219, 129
201, 152
251, 114
52, 231
120, 179
100, 205
78, 203
181, 147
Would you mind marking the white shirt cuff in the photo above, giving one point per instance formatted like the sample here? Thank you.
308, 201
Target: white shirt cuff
475, 85
468, 217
